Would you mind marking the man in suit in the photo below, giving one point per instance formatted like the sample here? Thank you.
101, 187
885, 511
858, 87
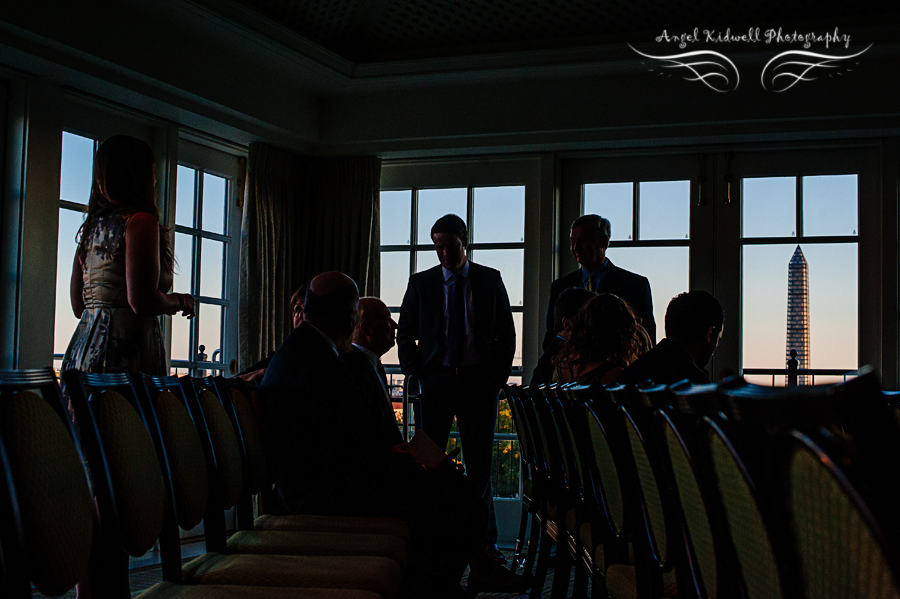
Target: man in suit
372, 338
588, 240
332, 457
456, 335
694, 323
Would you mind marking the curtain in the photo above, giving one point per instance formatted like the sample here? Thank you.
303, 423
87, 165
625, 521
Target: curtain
302, 217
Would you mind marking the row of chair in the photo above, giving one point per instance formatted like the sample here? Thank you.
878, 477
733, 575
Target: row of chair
147, 455
713, 491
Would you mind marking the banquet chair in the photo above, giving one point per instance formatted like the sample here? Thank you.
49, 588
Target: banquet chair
309, 559
257, 480
46, 511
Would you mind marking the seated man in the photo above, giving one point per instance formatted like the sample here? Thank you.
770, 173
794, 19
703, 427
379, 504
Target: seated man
258, 370
694, 323
331, 457
570, 301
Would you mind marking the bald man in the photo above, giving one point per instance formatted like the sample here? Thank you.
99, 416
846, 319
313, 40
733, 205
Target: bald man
372, 338
332, 457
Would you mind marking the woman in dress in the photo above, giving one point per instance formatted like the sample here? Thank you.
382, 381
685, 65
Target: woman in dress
123, 267
606, 337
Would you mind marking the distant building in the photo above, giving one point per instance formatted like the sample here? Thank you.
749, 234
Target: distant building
798, 313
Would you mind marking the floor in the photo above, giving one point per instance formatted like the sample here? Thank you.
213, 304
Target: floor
145, 572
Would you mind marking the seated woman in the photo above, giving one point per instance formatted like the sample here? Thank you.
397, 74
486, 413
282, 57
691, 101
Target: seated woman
605, 339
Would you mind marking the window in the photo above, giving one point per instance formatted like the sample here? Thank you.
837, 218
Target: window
650, 233
76, 176
741, 225
495, 217
800, 273
202, 246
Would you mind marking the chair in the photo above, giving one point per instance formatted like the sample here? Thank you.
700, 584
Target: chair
843, 549
655, 531
530, 500
233, 394
46, 511
548, 484
710, 553
177, 439
602, 457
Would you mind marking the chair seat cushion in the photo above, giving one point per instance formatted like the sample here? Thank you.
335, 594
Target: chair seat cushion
350, 524
318, 543
379, 575
621, 583
168, 590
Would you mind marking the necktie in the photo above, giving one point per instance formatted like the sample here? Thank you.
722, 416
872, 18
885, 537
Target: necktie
589, 284
456, 321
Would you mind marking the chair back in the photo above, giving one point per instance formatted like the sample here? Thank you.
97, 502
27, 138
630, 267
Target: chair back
656, 529
125, 467
195, 482
221, 436
842, 548
748, 524
607, 474
46, 511
693, 503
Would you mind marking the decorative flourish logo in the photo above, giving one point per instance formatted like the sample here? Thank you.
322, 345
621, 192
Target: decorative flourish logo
790, 68
716, 72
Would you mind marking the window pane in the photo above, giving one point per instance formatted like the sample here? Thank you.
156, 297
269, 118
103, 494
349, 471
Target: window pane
390, 357
213, 203
425, 260
833, 305
511, 264
499, 215
770, 207
396, 210
77, 168
209, 329
65, 321
394, 277
666, 268
830, 205
613, 201
184, 196
183, 263
665, 209
435, 203
517, 321
212, 267
181, 338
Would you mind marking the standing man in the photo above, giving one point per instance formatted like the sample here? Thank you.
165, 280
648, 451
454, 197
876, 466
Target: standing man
588, 240
457, 337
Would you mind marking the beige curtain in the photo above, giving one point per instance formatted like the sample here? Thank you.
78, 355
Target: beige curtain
302, 217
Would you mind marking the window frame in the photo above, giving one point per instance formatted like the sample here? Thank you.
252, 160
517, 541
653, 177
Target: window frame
225, 162
715, 222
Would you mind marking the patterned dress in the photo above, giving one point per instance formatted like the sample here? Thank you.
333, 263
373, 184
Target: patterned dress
110, 337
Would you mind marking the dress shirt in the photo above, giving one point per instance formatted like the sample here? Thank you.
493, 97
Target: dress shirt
598, 275
469, 357
374, 360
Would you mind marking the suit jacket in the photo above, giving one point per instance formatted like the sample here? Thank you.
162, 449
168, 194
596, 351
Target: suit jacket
665, 364
420, 336
328, 452
631, 287
378, 409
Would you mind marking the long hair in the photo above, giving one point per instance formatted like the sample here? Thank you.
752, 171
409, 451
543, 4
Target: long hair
604, 329
124, 177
